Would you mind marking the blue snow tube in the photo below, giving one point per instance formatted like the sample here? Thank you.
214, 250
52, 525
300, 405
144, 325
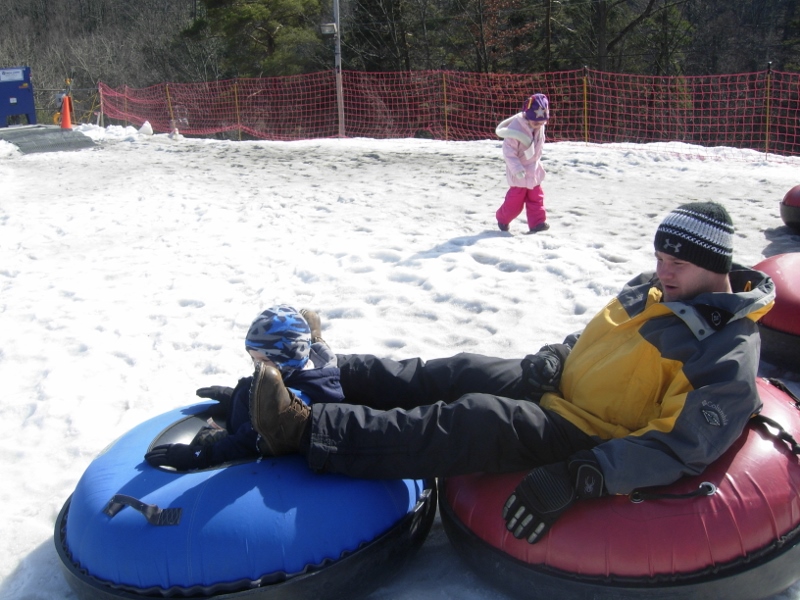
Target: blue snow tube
268, 528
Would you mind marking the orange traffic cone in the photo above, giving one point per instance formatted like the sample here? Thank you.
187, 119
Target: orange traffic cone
66, 110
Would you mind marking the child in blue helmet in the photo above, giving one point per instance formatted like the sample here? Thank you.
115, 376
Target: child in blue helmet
523, 141
280, 337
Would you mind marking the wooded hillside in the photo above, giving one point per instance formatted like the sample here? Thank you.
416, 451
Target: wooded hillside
145, 42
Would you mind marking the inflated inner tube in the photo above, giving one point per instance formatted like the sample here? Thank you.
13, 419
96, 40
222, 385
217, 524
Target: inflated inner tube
266, 528
742, 542
780, 327
790, 208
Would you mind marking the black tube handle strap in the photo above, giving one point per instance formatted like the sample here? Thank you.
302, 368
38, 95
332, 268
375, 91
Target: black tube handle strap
153, 514
782, 434
785, 389
704, 489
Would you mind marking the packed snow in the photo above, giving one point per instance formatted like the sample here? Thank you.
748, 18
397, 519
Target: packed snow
129, 275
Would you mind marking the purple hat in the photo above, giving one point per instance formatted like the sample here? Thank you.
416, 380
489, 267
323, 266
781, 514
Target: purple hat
537, 108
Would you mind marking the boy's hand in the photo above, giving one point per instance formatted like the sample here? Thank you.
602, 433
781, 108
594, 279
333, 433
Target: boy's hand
180, 457
219, 393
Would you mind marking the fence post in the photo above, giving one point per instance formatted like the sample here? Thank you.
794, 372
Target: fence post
337, 65
169, 104
101, 116
444, 99
339, 90
586, 104
769, 106
236, 103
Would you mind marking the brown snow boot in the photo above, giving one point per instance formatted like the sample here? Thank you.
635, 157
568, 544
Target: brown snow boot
314, 324
278, 416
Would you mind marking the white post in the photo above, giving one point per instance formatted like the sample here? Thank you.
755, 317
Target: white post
338, 68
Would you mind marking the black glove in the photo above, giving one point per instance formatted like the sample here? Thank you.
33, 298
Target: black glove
543, 370
209, 434
223, 395
220, 393
180, 456
546, 492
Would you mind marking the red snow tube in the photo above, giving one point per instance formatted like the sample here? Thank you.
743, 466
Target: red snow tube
790, 208
740, 543
780, 327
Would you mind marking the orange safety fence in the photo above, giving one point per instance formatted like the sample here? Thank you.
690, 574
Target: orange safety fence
736, 113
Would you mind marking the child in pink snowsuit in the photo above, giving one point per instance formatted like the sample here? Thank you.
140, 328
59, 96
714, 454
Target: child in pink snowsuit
523, 141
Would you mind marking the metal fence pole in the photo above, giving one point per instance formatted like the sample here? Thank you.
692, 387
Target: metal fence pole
338, 67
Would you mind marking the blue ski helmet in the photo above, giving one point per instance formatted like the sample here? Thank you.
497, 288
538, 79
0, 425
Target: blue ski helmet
281, 335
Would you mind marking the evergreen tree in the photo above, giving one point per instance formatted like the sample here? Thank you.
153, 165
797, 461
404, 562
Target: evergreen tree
263, 37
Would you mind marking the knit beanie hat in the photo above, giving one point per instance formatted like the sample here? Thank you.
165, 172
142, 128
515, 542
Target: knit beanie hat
282, 335
537, 108
700, 233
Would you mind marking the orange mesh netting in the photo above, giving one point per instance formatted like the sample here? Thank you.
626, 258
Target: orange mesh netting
749, 111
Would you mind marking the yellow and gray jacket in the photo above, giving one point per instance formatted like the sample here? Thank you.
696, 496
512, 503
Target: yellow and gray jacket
690, 371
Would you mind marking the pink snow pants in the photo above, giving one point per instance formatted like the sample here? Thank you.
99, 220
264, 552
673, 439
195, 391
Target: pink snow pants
516, 198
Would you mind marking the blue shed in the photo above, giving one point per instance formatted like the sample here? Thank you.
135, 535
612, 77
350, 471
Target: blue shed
16, 96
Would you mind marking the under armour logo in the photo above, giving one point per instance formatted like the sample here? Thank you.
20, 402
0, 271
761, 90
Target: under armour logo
668, 245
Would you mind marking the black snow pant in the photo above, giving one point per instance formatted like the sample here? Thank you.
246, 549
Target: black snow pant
417, 420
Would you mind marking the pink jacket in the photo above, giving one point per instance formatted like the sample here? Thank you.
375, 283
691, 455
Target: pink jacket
522, 151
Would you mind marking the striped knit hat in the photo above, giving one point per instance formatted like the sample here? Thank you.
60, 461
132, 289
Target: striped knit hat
700, 233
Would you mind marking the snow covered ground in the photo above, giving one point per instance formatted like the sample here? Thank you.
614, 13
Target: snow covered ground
129, 275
